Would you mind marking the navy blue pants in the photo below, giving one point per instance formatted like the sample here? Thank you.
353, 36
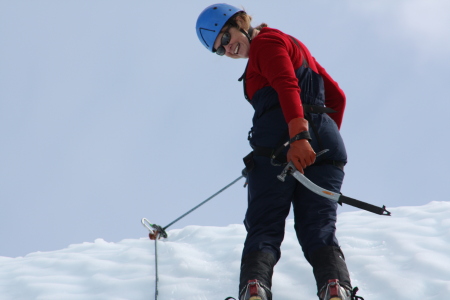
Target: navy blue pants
269, 203
269, 199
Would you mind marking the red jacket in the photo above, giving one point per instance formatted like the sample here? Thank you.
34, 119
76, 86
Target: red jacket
273, 59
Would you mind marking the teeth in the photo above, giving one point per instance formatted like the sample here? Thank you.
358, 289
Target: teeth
236, 49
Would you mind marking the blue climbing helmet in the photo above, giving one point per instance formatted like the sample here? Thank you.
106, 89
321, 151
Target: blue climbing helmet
211, 21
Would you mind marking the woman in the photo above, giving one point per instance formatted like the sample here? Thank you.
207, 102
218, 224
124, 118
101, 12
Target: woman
291, 94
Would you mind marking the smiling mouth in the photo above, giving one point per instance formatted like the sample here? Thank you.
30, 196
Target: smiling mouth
236, 49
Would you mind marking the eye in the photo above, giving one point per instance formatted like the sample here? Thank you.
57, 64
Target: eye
226, 37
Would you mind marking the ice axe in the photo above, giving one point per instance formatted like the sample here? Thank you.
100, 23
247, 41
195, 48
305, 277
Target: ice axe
337, 197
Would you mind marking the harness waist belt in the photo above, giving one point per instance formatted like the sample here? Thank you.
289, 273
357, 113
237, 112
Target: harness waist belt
307, 108
268, 152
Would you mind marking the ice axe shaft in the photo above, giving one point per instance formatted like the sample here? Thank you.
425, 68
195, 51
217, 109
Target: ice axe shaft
337, 197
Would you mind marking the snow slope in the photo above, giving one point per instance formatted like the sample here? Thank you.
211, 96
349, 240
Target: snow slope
405, 256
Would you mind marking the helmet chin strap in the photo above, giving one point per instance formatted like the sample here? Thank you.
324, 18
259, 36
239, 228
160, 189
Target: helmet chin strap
247, 34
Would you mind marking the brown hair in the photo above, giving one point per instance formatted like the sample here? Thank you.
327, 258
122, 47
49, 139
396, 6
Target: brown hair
234, 22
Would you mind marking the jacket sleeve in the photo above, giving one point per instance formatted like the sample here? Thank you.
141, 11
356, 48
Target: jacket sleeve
334, 95
272, 60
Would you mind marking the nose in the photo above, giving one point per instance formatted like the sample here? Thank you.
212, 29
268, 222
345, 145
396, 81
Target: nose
228, 48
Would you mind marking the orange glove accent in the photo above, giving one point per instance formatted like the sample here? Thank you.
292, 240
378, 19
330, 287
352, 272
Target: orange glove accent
300, 152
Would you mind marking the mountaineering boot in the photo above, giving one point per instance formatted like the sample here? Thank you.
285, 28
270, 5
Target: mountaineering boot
329, 263
334, 291
255, 290
256, 275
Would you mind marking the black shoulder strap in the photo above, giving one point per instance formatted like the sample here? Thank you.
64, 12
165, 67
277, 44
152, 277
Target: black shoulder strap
242, 78
304, 64
304, 60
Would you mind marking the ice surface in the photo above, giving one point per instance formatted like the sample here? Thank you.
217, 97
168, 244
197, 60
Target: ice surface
405, 256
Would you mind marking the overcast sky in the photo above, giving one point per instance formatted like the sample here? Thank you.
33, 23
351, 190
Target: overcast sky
111, 111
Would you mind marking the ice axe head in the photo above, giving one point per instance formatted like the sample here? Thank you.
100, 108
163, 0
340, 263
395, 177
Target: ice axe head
286, 171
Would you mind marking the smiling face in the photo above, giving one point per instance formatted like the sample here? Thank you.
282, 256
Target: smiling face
239, 45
